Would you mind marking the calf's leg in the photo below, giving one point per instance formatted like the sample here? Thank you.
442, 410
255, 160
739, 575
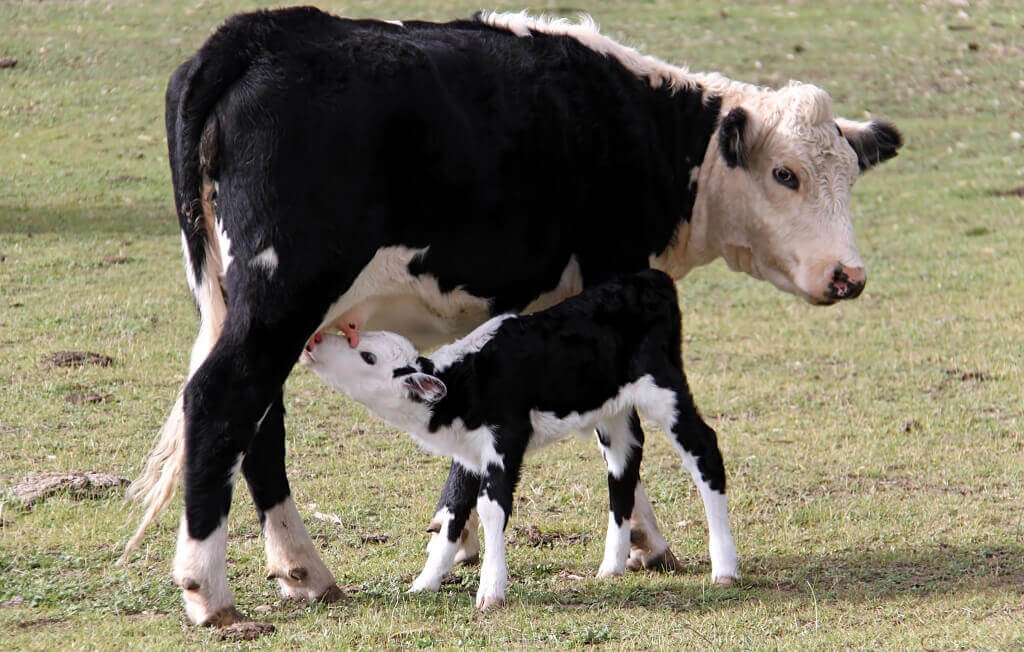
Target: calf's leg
494, 505
453, 512
461, 486
621, 440
673, 408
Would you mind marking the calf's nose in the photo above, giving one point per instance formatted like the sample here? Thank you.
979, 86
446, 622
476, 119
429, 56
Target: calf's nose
846, 283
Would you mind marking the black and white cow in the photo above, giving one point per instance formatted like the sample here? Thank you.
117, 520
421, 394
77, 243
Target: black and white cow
422, 178
514, 384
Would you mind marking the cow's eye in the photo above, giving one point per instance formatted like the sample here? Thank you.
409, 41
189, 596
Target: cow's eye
786, 177
368, 357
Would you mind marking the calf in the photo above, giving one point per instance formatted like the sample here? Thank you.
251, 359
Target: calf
516, 384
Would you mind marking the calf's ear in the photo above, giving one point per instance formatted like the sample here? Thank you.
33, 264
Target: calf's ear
732, 138
425, 388
873, 142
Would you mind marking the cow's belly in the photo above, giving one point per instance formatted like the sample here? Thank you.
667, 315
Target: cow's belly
385, 296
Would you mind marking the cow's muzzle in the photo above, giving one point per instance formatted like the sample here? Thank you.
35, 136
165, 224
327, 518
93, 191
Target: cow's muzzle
846, 283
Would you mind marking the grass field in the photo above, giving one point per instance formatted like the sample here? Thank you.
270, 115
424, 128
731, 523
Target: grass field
874, 449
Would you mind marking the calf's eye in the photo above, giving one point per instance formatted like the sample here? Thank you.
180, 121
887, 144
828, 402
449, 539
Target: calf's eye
786, 177
368, 357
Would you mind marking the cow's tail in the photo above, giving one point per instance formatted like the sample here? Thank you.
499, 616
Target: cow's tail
192, 138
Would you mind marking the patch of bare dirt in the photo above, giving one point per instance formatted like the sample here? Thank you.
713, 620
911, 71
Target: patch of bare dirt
76, 398
76, 359
8, 62
531, 535
115, 260
13, 602
246, 631
374, 537
87, 484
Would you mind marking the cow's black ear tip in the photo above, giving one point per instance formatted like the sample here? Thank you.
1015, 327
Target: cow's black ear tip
888, 136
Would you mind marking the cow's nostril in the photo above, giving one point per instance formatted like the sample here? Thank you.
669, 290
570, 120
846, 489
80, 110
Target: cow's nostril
847, 283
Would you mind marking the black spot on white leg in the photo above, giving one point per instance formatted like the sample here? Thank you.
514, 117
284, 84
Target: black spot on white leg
460, 488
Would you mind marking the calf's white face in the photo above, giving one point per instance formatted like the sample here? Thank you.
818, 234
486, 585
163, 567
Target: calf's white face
777, 191
382, 373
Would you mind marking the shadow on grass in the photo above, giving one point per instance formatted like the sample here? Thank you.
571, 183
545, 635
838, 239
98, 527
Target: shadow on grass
847, 576
142, 219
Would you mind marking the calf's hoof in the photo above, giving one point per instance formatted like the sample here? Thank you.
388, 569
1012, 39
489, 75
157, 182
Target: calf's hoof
662, 562
725, 580
300, 585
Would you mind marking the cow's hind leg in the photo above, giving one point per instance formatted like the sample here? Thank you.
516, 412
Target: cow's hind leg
621, 440
452, 518
223, 403
292, 558
649, 549
672, 406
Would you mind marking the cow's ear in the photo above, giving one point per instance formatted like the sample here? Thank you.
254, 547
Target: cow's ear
874, 142
732, 138
425, 388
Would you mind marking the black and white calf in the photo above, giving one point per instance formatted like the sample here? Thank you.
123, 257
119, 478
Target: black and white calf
517, 383
422, 178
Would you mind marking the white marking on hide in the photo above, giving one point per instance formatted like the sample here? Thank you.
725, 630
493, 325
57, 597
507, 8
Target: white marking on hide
449, 354
619, 449
224, 245
616, 548
493, 571
289, 547
395, 22
202, 563
190, 276
265, 260
722, 550
236, 468
570, 284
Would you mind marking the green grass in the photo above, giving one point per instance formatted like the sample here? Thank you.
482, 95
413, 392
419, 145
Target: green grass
874, 449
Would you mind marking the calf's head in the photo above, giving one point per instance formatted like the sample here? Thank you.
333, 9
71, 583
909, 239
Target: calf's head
777, 192
384, 372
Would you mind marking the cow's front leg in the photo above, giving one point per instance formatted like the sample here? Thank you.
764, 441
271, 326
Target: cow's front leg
621, 440
452, 517
292, 559
493, 506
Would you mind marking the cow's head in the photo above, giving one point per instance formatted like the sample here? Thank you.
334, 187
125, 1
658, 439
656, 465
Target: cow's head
384, 372
777, 192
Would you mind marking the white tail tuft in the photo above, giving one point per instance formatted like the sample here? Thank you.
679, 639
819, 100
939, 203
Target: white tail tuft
158, 481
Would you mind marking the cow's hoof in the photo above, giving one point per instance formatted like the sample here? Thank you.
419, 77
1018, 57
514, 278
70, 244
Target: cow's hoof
484, 603
665, 562
223, 618
725, 580
606, 573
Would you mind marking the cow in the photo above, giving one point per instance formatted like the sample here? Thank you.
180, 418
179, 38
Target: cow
421, 178
515, 384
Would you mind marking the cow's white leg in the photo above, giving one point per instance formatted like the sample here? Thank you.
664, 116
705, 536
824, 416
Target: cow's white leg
292, 559
200, 573
621, 441
493, 571
440, 554
649, 547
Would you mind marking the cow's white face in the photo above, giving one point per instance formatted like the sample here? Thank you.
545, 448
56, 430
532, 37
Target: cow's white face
382, 373
775, 189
